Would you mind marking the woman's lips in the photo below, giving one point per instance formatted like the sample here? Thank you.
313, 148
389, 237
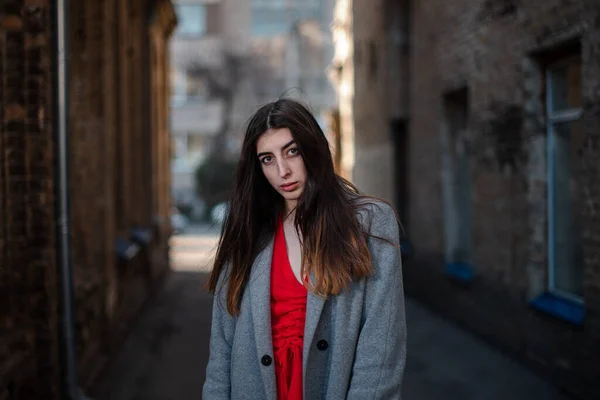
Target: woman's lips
289, 187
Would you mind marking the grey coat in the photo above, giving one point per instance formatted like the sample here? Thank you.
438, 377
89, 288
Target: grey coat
354, 342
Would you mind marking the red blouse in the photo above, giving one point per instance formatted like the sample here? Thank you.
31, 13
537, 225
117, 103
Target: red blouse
288, 314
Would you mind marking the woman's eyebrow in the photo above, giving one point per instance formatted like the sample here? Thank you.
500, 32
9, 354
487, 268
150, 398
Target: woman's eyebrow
291, 142
263, 154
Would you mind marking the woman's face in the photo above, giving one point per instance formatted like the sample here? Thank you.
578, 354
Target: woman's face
282, 164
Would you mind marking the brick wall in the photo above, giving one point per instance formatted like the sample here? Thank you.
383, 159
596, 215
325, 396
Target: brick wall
113, 159
119, 180
27, 257
493, 48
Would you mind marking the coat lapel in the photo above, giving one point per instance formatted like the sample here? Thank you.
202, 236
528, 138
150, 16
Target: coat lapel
259, 285
314, 307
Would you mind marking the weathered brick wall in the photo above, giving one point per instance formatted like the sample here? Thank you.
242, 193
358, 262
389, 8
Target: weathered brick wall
119, 161
112, 184
89, 194
28, 356
490, 47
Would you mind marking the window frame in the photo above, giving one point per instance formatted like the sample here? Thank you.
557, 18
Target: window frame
554, 118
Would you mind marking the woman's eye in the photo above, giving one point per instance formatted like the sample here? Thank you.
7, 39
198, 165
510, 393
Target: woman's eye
293, 152
266, 160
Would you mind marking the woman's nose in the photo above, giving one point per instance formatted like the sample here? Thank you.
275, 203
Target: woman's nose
283, 168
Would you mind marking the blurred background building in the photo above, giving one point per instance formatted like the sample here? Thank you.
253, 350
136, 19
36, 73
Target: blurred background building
210, 100
294, 37
480, 121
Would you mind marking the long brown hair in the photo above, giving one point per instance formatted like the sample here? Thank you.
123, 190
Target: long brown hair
334, 246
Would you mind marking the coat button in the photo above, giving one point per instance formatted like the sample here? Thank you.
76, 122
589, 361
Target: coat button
322, 345
266, 360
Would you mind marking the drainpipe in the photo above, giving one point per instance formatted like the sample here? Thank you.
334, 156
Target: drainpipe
60, 119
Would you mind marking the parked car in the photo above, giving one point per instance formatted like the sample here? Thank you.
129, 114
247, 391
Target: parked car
179, 222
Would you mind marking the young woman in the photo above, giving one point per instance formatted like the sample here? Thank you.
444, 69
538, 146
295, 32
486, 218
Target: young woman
307, 277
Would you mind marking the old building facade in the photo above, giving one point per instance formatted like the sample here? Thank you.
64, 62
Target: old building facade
211, 97
480, 121
293, 40
118, 181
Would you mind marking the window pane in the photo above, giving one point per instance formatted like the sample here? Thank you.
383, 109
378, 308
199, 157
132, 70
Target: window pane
565, 85
191, 20
269, 21
566, 247
178, 85
180, 146
196, 87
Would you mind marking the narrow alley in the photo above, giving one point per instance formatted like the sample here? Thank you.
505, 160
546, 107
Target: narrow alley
125, 124
166, 354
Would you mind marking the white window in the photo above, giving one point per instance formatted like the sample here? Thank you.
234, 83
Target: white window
191, 19
565, 136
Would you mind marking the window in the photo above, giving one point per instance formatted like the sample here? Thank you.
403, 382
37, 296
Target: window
188, 149
456, 178
196, 88
188, 87
191, 19
179, 146
564, 139
269, 22
276, 17
268, 3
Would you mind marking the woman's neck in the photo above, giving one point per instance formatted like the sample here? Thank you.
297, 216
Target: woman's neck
290, 207
290, 214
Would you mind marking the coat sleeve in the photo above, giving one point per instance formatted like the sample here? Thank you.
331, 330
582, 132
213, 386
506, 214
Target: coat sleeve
380, 356
218, 371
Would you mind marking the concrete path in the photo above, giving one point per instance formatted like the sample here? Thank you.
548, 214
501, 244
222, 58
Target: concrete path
445, 362
166, 354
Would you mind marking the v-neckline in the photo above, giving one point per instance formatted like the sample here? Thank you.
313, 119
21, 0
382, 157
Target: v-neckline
287, 255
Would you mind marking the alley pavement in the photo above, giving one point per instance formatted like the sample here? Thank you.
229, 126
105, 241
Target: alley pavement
166, 354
